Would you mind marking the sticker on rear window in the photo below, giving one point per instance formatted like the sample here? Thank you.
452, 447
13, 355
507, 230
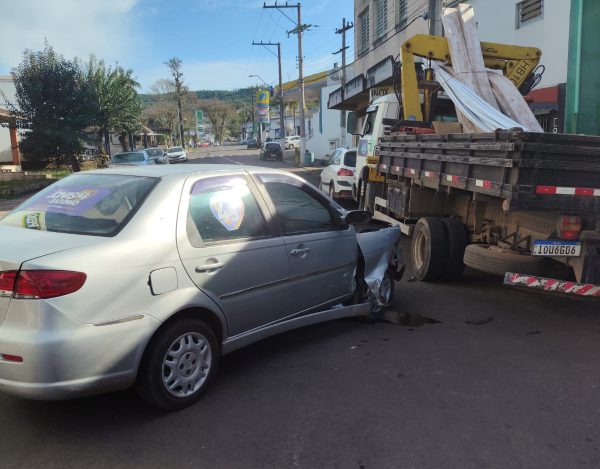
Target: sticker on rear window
228, 208
33, 221
70, 200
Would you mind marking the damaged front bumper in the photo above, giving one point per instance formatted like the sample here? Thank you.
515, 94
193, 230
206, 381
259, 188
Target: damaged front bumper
383, 263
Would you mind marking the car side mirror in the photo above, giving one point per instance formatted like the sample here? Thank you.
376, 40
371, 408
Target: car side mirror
357, 217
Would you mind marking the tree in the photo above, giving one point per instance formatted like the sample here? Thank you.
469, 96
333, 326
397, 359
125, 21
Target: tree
54, 99
174, 65
163, 112
220, 113
117, 105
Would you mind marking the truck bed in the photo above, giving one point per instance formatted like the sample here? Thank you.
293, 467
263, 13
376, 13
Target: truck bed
530, 171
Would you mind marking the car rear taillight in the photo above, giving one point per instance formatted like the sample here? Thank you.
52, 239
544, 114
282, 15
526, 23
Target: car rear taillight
40, 283
568, 227
345, 172
7, 282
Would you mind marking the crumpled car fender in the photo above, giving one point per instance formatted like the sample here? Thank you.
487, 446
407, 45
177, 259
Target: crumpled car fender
381, 251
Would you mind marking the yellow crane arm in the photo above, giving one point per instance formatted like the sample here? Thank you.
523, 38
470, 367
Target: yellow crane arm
516, 63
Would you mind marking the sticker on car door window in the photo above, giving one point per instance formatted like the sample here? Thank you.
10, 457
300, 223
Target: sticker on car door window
228, 208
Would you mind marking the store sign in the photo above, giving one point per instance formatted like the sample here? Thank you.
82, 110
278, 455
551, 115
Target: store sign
380, 91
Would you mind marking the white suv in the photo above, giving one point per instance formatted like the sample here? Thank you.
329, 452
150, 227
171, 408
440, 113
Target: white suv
292, 142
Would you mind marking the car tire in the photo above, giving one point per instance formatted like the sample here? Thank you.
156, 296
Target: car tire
428, 249
457, 238
154, 376
497, 261
332, 189
291, 146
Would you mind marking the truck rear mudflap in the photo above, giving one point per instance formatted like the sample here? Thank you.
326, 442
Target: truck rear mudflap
551, 285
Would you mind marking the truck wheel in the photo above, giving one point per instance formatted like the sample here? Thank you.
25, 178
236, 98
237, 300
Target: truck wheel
428, 249
497, 261
457, 238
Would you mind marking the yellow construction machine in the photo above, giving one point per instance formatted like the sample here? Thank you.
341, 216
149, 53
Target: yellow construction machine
516, 63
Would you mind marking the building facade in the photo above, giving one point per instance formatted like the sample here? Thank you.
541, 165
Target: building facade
554, 26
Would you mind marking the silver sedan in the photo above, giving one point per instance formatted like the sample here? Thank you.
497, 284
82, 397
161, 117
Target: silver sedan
145, 276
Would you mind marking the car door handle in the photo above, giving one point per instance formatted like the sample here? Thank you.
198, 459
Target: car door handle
298, 251
208, 267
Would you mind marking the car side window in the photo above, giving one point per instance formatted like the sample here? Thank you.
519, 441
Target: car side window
223, 209
299, 210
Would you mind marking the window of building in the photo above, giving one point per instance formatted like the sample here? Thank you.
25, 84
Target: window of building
529, 10
364, 31
381, 18
402, 16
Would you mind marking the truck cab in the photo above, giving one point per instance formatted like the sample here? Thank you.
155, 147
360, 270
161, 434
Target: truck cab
380, 110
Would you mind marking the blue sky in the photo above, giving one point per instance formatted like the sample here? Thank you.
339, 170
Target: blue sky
212, 37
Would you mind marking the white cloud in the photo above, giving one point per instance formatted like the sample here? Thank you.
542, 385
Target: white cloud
72, 27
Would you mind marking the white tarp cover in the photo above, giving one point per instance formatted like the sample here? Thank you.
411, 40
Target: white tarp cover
475, 108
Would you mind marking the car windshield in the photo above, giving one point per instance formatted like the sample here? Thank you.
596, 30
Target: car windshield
350, 159
89, 204
174, 149
154, 151
370, 122
130, 157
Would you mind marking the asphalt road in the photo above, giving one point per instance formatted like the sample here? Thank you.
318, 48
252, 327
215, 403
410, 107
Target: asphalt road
463, 375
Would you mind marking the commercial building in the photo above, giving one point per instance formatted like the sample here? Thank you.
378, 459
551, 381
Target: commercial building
564, 100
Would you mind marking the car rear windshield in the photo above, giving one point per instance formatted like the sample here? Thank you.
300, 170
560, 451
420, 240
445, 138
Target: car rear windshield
89, 204
272, 146
129, 157
350, 159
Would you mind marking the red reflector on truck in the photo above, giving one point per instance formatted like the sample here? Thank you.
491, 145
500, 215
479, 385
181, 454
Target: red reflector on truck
568, 227
551, 285
557, 190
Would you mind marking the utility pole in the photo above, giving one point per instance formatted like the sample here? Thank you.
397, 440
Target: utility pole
281, 106
345, 27
298, 30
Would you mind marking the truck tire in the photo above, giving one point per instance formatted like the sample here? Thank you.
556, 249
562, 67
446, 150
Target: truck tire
428, 249
497, 261
457, 239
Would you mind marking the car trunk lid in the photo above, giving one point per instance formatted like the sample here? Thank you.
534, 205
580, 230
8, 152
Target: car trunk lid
19, 245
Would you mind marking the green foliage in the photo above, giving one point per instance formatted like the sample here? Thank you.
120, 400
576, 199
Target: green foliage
113, 92
54, 100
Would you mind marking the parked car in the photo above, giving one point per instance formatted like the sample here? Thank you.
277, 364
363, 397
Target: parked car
158, 155
145, 276
337, 177
252, 143
271, 150
177, 154
292, 142
243, 141
132, 158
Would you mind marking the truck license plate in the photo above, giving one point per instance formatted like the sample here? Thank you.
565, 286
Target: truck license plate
556, 248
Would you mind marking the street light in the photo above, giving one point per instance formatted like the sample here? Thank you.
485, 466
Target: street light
257, 76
